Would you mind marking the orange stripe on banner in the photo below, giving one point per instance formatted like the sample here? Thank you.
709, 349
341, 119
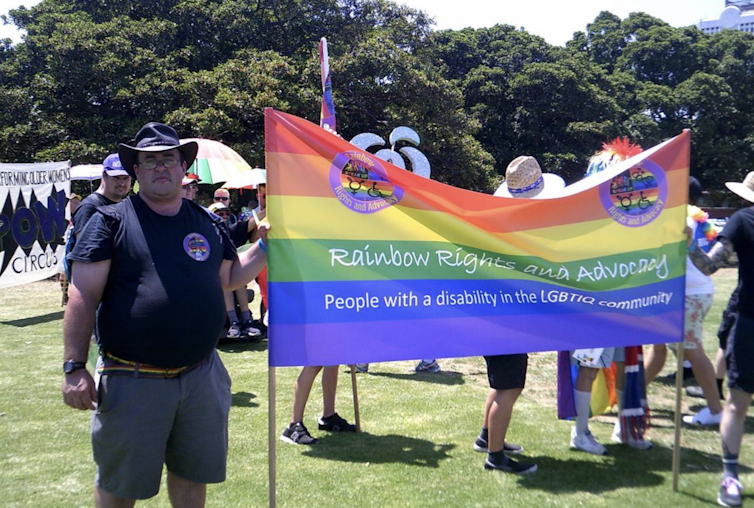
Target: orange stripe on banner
306, 175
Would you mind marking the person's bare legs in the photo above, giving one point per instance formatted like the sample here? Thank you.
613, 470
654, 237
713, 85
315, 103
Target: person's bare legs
243, 299
103, 499
487, 405
329, 388
705, 376
185, 493
732, 424
228, 299
720, 364
302, 390
654, 361
499, 416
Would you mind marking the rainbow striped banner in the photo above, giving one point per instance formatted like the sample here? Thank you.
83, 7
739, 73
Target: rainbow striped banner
369, 262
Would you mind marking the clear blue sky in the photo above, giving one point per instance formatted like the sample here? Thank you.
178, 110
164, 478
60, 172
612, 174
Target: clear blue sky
554, 20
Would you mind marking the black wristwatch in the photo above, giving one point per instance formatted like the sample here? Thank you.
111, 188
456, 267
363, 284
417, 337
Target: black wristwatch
72, 365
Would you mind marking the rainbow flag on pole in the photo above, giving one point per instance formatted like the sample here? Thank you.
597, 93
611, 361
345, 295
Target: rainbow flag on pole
327, 112
369, 262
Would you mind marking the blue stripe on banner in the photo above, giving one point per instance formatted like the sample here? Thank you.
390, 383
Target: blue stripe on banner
399, 300
375, 341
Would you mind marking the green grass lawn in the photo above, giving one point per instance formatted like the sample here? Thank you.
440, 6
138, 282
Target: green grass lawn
415, 449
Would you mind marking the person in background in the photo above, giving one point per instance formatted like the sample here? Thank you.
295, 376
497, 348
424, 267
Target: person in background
73, 203
223, 196
700, 292
115, 185
240, 232
507, 373
736, 238
189, 187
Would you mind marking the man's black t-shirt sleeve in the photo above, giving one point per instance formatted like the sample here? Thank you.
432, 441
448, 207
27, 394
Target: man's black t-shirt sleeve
81, 217
733, 229
96, 241
239, 232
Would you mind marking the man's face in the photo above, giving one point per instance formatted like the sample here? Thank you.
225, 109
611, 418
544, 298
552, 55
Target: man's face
262, 196
160, 174
188, 191
74, 203
116, 187
222, 196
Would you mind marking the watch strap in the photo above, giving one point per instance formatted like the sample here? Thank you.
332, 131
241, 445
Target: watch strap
72, 365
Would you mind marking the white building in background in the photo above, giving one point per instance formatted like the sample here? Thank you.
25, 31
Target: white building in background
737, 15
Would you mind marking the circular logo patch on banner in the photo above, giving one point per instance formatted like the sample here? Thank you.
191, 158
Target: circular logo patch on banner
360, 183
196, 246
637, 196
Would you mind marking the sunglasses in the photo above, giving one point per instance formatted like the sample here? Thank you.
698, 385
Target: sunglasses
218, 198
223, 214
152, 163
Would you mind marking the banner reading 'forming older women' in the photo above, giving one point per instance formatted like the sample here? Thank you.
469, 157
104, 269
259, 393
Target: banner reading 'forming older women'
369, 262
32, 221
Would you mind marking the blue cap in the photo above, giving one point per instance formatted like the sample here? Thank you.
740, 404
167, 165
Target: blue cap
112, 166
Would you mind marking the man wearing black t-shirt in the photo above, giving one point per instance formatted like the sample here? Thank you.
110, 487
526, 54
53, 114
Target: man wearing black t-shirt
116, 183
162, 395
736, 238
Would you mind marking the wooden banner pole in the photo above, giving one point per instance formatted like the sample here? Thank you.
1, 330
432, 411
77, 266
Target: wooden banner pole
355, 399
271, 434
678, 416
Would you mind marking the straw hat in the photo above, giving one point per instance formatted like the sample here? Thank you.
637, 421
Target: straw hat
524, 179
745, 189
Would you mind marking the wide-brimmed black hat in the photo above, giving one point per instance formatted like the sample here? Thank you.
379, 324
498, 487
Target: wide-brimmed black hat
155, 137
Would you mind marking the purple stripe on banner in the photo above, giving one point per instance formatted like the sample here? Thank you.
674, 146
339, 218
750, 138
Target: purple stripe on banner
398, 300
375, 341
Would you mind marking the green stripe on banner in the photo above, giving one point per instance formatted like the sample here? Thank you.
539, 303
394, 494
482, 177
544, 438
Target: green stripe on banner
346, 260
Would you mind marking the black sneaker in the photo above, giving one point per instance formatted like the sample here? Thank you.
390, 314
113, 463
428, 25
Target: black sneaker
480, 445
688, 373
730, 492
296, 433
510, 466
335, 423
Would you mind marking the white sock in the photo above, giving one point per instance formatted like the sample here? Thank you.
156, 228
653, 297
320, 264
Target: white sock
583, 400
619, 395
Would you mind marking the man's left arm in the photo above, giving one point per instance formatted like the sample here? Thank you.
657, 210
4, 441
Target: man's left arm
239, 272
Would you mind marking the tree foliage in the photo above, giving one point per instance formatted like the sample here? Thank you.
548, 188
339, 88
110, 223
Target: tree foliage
89, 73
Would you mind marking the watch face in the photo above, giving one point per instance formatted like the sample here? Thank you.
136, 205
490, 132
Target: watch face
71, 366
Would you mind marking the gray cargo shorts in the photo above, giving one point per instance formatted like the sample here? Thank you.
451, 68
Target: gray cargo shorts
142, 423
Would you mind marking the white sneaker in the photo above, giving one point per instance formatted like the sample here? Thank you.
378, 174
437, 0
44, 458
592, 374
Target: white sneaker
639, 444
703, 417
586, 443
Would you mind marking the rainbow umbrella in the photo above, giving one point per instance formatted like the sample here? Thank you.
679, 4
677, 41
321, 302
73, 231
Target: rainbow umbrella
216, 162
247, 180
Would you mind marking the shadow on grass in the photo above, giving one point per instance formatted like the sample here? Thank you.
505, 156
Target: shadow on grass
36, 320
637, 468
444, 377
243, 399
667, 417
366, 447
706, 500
241, 346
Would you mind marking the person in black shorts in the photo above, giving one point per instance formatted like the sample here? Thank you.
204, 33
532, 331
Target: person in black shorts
507, 377
737, 238
507, 373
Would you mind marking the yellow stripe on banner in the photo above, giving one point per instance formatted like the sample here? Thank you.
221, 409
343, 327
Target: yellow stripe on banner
326, 218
